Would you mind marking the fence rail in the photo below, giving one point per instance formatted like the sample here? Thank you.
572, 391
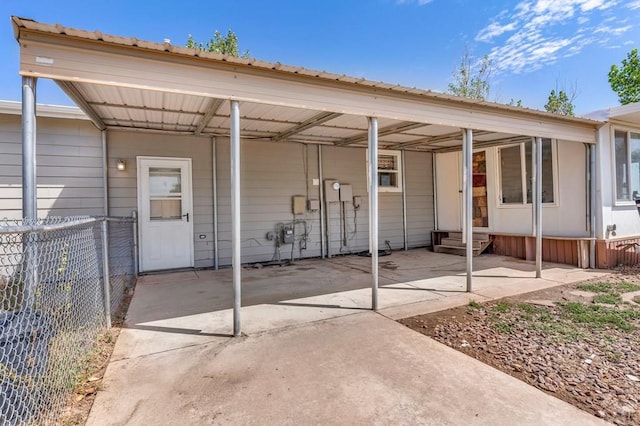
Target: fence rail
54, 282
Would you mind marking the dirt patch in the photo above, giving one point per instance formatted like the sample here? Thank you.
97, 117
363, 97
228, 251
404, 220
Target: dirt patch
79, 405
578, 342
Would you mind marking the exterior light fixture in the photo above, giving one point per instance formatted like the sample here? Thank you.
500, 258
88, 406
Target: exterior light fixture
122, 165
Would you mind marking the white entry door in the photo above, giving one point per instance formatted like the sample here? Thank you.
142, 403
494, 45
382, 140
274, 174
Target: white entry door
165, 213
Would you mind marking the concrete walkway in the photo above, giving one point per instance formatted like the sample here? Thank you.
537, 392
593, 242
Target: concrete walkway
320, 357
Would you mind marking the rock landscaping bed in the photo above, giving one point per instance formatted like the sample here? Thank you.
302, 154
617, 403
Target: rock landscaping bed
578, 342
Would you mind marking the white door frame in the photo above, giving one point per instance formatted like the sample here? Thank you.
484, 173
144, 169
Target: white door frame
187, 203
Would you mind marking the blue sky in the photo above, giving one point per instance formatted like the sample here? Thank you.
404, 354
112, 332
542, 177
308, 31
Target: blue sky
535, 45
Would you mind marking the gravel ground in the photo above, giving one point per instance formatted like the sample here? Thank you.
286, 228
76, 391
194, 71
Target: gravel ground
563, 340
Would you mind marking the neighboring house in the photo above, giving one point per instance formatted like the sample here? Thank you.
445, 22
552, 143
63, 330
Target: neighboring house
165, 117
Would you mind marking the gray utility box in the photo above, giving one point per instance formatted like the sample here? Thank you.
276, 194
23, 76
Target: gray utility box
346, 193
331, 194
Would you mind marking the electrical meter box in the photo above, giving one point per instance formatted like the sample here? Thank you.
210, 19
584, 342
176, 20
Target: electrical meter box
331, 191
346, 192
299, 204
287, 235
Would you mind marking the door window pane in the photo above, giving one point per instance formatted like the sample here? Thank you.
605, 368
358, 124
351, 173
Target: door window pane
511, 175
165, 181
165, 209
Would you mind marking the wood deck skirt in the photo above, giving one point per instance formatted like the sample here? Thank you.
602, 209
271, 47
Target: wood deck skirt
564, 250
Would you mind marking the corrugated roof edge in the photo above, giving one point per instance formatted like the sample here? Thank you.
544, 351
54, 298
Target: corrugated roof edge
44, 110
33, 25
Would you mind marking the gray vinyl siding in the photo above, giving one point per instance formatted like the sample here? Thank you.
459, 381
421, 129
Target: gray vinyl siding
123, 198
70, 183
419, 187
69, 167
271, 174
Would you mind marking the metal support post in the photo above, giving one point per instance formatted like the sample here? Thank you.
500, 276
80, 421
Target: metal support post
373, 208
235, 215
134, 215
29, 186
467, 183
538, 202
404, 200
435, 191
106, 289
592, 205
214, 184
322, 206
534, 185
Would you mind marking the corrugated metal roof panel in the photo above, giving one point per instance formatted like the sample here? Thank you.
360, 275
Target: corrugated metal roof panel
33, 25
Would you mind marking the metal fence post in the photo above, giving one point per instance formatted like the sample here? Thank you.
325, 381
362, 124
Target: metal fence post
105, 272
134, 215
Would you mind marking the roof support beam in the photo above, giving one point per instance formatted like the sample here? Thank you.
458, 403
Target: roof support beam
396, 128
213, 106
314, 121
72, 91
142, 108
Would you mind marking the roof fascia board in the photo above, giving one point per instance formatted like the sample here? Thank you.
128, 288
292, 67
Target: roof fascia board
91, 61
44, 110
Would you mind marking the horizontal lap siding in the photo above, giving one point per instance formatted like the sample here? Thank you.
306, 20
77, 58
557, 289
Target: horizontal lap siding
123, 198
69, 167
419, 187
271, 174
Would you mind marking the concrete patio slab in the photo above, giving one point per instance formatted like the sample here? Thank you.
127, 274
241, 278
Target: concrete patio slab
357, 369
176, 362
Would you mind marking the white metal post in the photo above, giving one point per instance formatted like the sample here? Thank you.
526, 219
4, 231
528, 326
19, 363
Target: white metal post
373, 208
467, 182
29, 188
592, 205
322, 206
538, 201
106, 284
235, 214
404, 200
214, 184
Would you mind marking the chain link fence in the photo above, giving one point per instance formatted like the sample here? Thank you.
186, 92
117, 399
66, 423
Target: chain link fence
54, 307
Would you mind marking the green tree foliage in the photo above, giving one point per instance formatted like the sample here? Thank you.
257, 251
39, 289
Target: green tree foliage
471, 80
226, 45
625, 80
560, 103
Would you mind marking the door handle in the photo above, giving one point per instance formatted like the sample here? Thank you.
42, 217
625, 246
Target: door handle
186, 215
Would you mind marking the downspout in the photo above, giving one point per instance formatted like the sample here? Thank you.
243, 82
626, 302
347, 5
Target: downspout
105, 173
214, 184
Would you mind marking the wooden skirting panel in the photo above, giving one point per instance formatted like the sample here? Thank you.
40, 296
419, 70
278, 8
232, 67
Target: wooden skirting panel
564, 251
613, 253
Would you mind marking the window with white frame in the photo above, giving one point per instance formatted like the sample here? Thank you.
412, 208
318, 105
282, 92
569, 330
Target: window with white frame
627, 159
516, 173
389, 171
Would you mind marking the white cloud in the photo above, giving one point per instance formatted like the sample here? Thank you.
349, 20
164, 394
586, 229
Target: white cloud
540, 32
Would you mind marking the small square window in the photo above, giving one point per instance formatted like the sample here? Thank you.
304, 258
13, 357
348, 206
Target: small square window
389, 171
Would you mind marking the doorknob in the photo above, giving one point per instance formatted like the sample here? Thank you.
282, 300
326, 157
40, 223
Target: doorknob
186, 215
